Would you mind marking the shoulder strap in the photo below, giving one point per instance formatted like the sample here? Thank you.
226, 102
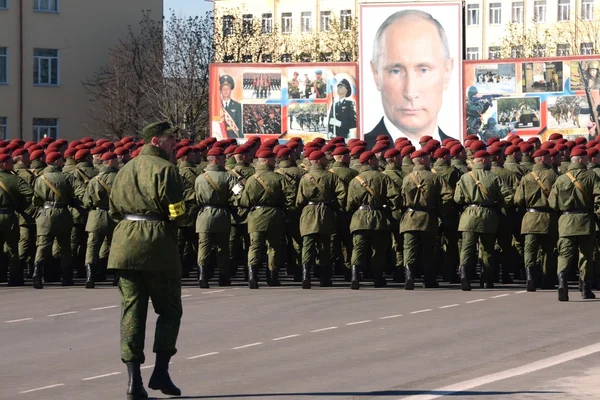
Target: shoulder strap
52, 187
104, 184
413, 177
316, 183
540, 184
237, 175
331, 170
83, 175
579, 186
479, 184
433, 170
32, 172
264, 185
212, 183
364, 184
3, 186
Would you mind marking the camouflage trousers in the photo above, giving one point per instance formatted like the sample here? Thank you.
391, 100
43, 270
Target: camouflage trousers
136, 288
316, 244
576, 250
27, 239
45, 251
95, 241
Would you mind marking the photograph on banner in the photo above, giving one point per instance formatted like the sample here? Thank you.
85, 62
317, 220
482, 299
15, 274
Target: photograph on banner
262, 84
307, 83
542, 77
565, 112
590, 73
262, 119
341, 118
307, 117
496, 78
523, 112
411, 81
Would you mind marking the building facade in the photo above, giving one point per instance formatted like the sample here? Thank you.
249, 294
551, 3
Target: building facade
47, 49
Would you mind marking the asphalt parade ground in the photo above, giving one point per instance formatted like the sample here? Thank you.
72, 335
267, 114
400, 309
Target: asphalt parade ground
325, 343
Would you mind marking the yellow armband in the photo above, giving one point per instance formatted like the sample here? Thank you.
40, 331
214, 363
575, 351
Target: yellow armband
176, 210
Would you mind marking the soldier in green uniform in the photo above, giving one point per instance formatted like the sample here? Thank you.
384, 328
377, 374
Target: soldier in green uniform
576, 195
100, 225
213, 191
526, 163
481, 193
15, 196
320, 194
294, 87
27, 236
147, 201
123, 156
320, 86
267, 195
565, 159
459, 158
407, 164
187, 240
53, 191
394, 171
512, 160
371, 196
540, 222
70, 163
594, 165
37, 162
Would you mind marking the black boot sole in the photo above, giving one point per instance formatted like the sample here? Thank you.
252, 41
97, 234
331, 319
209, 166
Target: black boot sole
203, 285
531, 286
253, 285
563, 295
588, 296
354, 285
306, 285
465, 286
326, 283
90, 285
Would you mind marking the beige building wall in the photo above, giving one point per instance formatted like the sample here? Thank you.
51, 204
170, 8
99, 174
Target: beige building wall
82, 32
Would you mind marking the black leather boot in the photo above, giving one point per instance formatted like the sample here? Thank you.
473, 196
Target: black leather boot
530, 279
325, 280
378, 280
15, 277
409, 281
465, 286
273, 278
587, 293
224, 277
398, 276
253, 277
355, 280
102, 268
306, 276
36, 277
89, 282
563, 287
160, 379
66, 278
430, 280
135, 386
202, 277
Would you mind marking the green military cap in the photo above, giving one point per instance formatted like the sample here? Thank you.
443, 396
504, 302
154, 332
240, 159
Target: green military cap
158, 129
227, 80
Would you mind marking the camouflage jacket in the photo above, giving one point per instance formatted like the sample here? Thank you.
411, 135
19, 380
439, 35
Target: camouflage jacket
83, 172
54, 220
241, 173
532, 196
96, 199
18, 197
213, 190
188, 174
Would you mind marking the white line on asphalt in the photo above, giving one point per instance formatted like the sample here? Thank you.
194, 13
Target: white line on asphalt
186, 295
247, 345
475, 301
18, 320
203, 355
324, 329
450, 306
522, 291
286, 337
63, 313
147, 366
509, 373
359, 322
420, 311
100, 376
102, 308
500, 295
42, 388
391, 316
214, 291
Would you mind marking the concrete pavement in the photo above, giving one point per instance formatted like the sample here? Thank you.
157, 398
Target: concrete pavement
288, 343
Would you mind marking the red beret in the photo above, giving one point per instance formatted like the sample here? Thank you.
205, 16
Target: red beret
47, 140
456, 149
87, 140
481, 154
4, 157
471, 137
328, 148
591, 143
592, 152
356, 150
29, 144
13, 146
580, 140
425, 139
401, 139
534, 139
548, 145
230, 149
183, 152
402, 144
100, 142
286, 151
541, 153
578, 152
310, 145
240, 150
561, 140
37, 155
126, 139
477, 145
381, 137
3, 143
74, 143
292, 145
121, 150
560, 147
129, 146
308, 150
407, 150
265, 154
336, 139
81, 147
201, 148
70, 152
511, 150
495, 150
136, 153
215, 152
108, 146
419, 153
54, 156
81, 154
525, 147
108, 156
4, 150
429, 148
570, 144
295, 139
316, 155
98, 150
340, 151
318, 140
492, 140
366, 156
391, 153
553, 152
446, 141
441, 153
19, 152
118, 144
379, 148
555, 136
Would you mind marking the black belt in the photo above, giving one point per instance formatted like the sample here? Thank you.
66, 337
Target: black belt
143, 217
318, 203
54, 204
371, 208
539, 210
102, 208
572, 212
7, 211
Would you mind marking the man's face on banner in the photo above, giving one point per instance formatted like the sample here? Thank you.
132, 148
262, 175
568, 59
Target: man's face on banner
226, 91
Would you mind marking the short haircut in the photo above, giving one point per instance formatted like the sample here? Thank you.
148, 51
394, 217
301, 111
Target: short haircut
416, 14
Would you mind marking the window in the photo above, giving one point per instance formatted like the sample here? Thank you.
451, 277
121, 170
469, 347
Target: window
3, 65
267, 23
345, 56
246, 58
45, 67
473, 14
45, 127
564, 10
539, 51
228, 25
517, 12
494, 52
3, 4
587, 9
325, 21
286, 22
3, 126
306, 21
247, 24
539, 10
345, 17
495, 13
45, 5
267, 58
586, 49
325, 57
516, 51
472, 53
286, 58
563, 49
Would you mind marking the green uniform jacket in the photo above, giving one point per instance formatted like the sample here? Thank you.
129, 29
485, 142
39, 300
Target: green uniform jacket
425, 196
527, 164
54, 219
24, 173
322, 187
509, 179
396, 174
530, 194
564, 165
447, 172
592, 167
83, 172
188, 174
241, 173
511, 164
148, 184
69, 166
213, 216
267, 206
200, 167
291, 172
96, 199
565, 196
482, 219
230, 163
460, 165
407, 165
387, 200
19, 197
343, 171
37, 167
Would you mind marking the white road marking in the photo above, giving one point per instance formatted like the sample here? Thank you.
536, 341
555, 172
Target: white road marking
324, 329
247, 345
186, 295
214, 291
18, 320
359, 322
450, 306
63, 313
391, 316
500, 295
147, 366
100, 376
509, 373
102, 308
203, 355
475, 301
420, 311
286, 337
522, 291
42, 388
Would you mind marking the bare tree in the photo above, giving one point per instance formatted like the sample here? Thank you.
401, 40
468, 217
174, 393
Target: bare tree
536, 41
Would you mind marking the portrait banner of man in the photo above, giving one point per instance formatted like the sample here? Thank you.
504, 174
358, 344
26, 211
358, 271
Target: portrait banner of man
411, 56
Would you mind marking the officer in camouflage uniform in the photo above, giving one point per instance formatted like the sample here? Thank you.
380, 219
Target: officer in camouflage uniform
70, 164
320, 194
37, 162
540, 222
371, 196
394, 171
293, 87
147, 200
576, 195
320, 85
100, 225
267, 195
459, 158
526, 163
512, 160
186, 234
